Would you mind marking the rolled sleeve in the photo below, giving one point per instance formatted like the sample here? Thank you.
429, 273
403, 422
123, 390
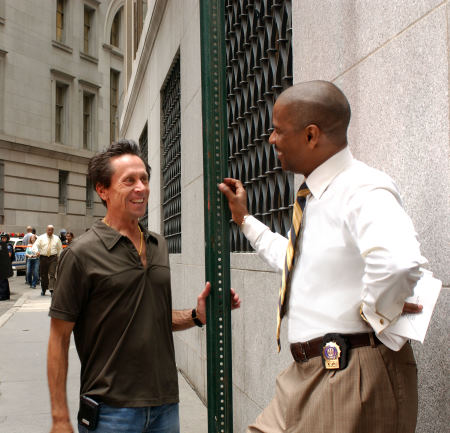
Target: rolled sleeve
71, 291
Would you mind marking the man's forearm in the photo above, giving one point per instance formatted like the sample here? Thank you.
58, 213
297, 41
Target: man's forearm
57, 365
181, 320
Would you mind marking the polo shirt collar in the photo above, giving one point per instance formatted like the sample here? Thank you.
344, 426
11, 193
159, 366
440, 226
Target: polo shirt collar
319, 180
110, 237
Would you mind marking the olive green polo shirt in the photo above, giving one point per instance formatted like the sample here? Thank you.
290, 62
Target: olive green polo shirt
123, 317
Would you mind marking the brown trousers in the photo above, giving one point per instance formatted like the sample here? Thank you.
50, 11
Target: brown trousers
376, 393
47, 271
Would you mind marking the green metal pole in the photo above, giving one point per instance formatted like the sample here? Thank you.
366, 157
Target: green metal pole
217, 255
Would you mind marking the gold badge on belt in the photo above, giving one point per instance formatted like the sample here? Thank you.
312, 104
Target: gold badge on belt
331, 353
334, 351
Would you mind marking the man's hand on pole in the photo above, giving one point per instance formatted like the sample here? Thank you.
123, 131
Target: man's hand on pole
201, 301
236, 195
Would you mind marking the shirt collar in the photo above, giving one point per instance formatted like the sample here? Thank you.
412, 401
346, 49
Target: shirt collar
319, 180
110, 237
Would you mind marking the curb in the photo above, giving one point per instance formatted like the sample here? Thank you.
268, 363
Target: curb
6, 316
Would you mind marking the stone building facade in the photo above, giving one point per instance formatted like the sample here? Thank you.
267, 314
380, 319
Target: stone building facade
391, 59
61, 75
72, 71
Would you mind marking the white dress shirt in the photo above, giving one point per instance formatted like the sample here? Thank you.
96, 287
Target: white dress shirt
42, 243
357, 247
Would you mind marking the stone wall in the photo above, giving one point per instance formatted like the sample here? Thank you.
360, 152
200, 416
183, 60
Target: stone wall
391, 59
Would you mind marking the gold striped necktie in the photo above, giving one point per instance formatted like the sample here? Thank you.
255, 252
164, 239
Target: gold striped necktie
49, 248
289, 261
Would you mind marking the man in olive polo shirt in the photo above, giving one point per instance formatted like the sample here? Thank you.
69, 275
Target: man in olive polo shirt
113, 291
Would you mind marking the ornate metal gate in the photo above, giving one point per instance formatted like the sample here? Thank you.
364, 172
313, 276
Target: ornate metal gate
143, 144
171, 158
259, 68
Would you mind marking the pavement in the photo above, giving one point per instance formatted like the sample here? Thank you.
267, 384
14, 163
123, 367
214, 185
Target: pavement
24, 398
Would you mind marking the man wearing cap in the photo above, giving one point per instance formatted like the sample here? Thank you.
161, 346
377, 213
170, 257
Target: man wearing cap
48, 248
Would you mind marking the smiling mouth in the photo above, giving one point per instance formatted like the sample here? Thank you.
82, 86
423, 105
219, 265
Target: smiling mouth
138, 201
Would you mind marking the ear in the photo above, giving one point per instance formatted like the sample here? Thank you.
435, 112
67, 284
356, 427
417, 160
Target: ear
101, 191
312, 133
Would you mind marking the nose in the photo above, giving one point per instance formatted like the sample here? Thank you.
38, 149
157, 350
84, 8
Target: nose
139, 185
272, 139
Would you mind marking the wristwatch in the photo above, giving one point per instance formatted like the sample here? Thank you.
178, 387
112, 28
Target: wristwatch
196, 319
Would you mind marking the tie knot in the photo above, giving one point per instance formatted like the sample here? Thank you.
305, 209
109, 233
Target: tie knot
303, 191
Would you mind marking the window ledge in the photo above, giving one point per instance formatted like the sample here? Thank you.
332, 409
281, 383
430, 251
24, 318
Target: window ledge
89, 84
2, 20
62, 46
89, 58
114, 50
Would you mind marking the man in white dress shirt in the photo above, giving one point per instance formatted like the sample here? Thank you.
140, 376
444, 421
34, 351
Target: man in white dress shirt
48, 248
357, 260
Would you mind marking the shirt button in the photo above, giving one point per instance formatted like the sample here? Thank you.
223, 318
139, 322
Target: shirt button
382, 321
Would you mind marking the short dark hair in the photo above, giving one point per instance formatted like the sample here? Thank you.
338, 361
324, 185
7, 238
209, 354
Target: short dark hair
100, 170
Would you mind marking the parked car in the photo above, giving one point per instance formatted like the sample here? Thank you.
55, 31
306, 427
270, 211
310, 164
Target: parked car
20, 263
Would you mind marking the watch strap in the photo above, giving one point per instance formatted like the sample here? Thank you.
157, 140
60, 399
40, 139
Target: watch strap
196, 319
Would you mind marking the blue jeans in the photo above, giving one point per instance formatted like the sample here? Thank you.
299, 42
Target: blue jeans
154, 419
32, 271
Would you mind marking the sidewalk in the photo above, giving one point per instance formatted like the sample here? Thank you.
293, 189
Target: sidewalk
24, 399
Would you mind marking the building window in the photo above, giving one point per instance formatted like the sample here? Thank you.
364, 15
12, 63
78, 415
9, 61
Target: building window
113, 104
115, 29
60, 112
2, 192
60, 11
88, 29
259, 68
171, 158
139, 12
89, 193
88, 109
62, 191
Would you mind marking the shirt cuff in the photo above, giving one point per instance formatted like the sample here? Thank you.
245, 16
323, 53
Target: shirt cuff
378, 322
252, 228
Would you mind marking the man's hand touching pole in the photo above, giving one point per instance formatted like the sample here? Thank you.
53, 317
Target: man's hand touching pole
201, 302
236, 195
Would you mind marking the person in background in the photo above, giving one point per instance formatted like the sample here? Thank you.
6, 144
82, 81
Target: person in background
69, 237
26, 242
32, 263
6, 271
48, 248
62, 236
26, 238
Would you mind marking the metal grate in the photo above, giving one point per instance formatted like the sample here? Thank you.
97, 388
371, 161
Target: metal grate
259, 68
143, 144
171, 158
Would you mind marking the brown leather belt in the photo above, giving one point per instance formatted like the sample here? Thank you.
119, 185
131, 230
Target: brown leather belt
302, 352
